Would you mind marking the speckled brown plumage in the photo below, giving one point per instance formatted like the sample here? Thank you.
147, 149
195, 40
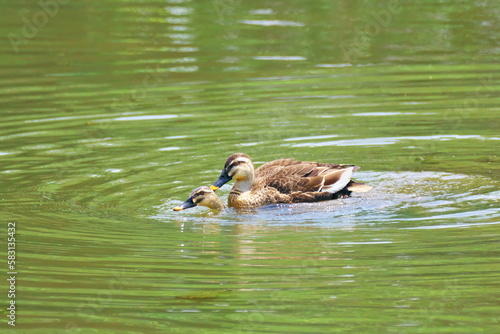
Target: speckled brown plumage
285, 181
290, 175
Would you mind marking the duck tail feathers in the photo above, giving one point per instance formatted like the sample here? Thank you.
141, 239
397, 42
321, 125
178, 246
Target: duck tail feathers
337, 180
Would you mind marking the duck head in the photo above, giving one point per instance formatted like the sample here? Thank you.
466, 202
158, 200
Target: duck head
203, 196
239, 167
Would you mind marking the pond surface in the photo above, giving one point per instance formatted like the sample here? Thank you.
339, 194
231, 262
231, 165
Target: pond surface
113, 111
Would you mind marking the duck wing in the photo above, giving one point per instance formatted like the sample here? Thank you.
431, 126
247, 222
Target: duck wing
290, 175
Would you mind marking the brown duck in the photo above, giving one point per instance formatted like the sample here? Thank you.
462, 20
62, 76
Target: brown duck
203, 196
285, 181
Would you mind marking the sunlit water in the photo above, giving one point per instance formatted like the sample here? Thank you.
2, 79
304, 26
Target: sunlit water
410, 199
112, 112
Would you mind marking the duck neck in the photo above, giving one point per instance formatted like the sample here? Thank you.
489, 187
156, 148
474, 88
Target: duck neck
244, 185
216, 204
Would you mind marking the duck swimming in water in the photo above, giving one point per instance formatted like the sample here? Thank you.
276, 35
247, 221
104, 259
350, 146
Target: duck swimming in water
203, 196
285, 181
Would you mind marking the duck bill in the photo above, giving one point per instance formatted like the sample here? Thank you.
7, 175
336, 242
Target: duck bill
186, 205
223, 179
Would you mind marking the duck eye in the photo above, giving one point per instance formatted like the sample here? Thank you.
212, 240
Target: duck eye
201, 193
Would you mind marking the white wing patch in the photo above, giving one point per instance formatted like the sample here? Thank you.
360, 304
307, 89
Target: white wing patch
342, 182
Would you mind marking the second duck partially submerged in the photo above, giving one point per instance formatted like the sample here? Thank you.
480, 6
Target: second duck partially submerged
203, 196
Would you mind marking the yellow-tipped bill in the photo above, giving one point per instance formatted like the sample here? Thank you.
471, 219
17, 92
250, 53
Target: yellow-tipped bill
186, 205
214, 188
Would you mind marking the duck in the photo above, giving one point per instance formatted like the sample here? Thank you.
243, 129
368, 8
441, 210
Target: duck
203, 196
285, 181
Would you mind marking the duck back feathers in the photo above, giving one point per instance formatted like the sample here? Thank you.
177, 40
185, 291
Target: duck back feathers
290, 175
285, 181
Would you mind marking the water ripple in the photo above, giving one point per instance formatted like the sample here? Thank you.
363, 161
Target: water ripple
387, 140
269, 23
390, 201
145, 117
279, 58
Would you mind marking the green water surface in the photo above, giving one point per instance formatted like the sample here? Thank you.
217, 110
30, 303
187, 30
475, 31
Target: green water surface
111, 112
